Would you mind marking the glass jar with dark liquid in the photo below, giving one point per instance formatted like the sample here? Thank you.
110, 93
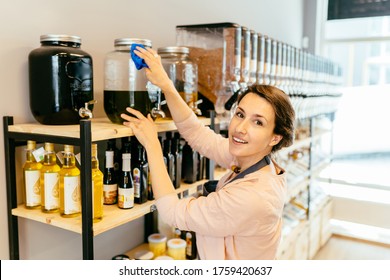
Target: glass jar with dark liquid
60, 80
124, 85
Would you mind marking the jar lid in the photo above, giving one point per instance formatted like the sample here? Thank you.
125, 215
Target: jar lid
130, 41
174, 49
143, 255
63, 38
176, 243
157, 238
121, 257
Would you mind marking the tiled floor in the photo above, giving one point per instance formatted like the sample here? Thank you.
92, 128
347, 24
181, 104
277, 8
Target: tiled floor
342, 248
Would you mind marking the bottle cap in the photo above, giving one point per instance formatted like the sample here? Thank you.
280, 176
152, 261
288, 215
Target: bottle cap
30, 145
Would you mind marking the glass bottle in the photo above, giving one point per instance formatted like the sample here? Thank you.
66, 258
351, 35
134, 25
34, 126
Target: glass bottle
178, 158
110, 186
49, 180
125, 184
140, 177
70, 198
31, 174
168, 158
97, 186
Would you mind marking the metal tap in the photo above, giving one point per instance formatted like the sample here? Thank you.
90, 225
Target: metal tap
194, 107
85, 112
156, 111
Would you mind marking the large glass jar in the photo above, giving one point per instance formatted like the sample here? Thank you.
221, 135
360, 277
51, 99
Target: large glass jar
60, 80
183, 72
124, 85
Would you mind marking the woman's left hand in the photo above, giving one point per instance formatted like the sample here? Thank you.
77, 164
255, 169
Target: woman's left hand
143, 127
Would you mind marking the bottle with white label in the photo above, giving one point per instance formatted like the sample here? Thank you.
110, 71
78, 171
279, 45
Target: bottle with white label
125, 184
31, 175
70, 198
49, 181
110, 186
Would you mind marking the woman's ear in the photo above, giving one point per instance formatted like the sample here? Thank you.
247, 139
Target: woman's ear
276, 139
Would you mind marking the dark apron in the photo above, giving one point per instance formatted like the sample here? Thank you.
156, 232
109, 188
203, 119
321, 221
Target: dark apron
211, 185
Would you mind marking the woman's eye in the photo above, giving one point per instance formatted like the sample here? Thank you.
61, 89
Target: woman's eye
257, 122
239, 114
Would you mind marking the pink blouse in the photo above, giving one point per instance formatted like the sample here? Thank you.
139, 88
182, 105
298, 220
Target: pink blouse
240, 220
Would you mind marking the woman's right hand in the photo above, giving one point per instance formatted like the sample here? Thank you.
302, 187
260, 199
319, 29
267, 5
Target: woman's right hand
155, 72
143, 127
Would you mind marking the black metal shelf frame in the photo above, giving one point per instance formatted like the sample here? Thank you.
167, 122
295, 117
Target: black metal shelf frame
11, 140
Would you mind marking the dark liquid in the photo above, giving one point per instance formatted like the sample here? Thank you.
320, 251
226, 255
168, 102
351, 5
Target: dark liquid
116, 102
61, 82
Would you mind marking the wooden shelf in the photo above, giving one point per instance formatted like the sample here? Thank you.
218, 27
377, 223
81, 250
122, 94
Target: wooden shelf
112, 215
101, 128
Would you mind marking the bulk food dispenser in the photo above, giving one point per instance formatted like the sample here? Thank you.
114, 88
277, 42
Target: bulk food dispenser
216, 49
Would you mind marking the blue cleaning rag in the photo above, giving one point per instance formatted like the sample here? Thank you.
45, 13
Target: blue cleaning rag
139, 62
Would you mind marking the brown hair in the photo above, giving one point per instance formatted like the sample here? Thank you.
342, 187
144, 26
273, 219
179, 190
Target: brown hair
284, 112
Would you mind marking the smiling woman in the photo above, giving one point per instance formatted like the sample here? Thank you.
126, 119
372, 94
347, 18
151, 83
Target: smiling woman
242, 218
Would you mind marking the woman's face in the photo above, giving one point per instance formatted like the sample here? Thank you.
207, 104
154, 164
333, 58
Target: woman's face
251, 135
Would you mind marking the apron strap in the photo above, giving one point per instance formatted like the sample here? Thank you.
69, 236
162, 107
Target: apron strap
260, 164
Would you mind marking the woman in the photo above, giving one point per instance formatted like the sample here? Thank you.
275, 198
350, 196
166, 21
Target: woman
242, 219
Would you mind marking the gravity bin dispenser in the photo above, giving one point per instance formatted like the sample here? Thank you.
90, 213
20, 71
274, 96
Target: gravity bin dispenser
216, 49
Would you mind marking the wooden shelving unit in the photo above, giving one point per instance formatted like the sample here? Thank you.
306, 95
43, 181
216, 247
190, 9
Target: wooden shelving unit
79, 135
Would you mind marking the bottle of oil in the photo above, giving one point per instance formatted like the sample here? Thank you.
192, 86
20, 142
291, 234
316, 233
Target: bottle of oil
31, 174
49, 180
97, 186
70, 198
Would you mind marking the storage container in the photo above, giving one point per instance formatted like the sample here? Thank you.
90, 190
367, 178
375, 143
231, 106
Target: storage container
124, 85
60, 81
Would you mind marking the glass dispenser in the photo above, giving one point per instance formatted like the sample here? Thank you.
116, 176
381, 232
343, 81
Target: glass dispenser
60, 81
183, 72
216, 49
124, 85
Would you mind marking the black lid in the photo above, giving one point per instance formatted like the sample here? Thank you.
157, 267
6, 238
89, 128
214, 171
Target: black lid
210, 25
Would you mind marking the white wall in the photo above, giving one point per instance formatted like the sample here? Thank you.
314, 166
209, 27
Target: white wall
98, 23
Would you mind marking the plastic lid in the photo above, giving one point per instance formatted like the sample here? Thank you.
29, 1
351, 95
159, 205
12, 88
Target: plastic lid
157, 238
210, 25
130, 41
143, 255
176, 243
174, 49
63, 38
